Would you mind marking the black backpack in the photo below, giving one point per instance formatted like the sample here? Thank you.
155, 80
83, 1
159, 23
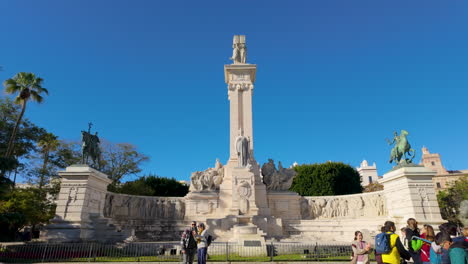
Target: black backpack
209, 239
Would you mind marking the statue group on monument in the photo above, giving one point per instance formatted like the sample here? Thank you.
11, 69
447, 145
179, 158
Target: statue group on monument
239, 50
277, 179
207, 180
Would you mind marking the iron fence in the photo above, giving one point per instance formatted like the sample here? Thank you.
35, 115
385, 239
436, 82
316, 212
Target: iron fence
251, 251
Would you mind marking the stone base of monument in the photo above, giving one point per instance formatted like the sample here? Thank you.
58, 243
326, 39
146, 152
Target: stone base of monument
80, 204
249, 238
200, 205
409, 192
330, 230
97, 229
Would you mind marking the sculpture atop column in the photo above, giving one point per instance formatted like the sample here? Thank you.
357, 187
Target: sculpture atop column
239, 50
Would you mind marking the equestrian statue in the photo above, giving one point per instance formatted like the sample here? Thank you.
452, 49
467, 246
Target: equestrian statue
401, 153
90, 148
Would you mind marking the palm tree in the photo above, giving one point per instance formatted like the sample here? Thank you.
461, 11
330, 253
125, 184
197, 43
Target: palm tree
28, 87
47, 144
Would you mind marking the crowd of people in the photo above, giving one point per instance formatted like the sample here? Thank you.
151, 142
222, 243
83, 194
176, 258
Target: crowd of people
416, 246
195, 240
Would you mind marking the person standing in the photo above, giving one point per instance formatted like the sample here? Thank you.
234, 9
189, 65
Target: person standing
201, 236
397, 249
413, 230
378, 256
189, 244
428, 234
361, 249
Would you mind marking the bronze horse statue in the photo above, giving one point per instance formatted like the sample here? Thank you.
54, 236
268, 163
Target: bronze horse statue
90, 148
401, 148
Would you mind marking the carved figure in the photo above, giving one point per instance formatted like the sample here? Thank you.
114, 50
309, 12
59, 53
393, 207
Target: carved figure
235, 54
305, 209
243, 52
239, 49
277, 179
126, 208
90, 147
401, 148
242, 148
343, 207
207, 180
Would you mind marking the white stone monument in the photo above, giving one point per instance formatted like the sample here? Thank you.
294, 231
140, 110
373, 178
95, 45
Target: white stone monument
235, 202
409, 192
80, 206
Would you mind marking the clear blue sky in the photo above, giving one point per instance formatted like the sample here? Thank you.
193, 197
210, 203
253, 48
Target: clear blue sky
335, 78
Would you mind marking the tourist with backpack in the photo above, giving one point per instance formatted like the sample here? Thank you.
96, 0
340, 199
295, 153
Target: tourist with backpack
378, 256
388, 244
203, 241
414, 246
361, 249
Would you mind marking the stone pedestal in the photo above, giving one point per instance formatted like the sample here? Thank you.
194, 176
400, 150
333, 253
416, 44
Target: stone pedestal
249, 237
409, 192
201, 205
80, 205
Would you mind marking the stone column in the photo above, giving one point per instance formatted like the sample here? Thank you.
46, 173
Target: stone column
409, 192
80, 203
240, 79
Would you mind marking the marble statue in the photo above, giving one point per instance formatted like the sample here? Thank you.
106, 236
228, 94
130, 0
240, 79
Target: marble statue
242, 148
277, 179
207, 180
239, 50
400, 149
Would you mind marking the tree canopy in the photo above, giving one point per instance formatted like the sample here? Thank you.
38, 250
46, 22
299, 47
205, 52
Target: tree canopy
153, 185
450, 199
27, 86
329, 178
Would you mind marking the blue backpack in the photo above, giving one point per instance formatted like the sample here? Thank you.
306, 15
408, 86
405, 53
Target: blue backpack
382, 243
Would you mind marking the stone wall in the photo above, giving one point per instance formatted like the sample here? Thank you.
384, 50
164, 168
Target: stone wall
148, 218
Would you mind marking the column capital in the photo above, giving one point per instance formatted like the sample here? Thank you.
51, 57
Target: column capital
240, 73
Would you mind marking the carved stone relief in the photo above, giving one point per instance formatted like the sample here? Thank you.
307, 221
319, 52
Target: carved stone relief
343, 207
137, 207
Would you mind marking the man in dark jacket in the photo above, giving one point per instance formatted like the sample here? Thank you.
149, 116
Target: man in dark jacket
189, 245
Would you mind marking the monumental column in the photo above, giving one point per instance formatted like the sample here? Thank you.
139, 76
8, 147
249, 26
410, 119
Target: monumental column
242, 191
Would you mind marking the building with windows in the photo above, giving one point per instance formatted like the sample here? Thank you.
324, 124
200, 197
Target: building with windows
368, 173
444, 177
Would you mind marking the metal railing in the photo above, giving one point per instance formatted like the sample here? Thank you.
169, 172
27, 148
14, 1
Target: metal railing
171, 252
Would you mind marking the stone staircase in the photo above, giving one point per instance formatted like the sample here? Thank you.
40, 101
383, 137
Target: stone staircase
324, 230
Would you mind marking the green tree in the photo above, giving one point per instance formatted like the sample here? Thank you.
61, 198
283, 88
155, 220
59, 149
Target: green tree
120, 160
153, 185
47, 144
24, 207
28, 87
27, 137
450, 199
329, 178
